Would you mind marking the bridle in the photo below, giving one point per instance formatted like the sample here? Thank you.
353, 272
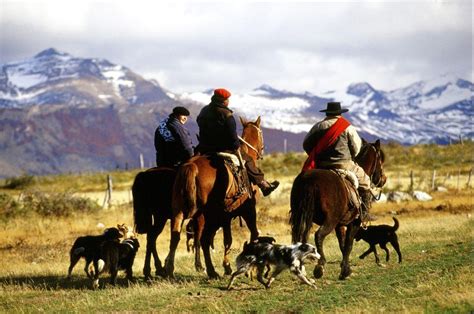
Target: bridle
378, 173
258, 151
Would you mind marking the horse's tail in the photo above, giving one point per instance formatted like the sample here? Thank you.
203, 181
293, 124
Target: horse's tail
142, 215
397, 224
184, 190
303, 198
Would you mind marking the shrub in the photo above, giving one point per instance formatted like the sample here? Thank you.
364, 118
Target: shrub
8, 206
20, 182
57, 204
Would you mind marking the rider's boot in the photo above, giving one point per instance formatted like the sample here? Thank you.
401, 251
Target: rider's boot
267, 187
366, 204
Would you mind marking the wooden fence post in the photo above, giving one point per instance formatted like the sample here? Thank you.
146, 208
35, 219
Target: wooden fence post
433, 179
108, 192
468, 184
459, 176
411, 181
142, 162
285, 145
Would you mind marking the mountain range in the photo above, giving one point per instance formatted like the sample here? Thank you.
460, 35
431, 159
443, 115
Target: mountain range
62, 113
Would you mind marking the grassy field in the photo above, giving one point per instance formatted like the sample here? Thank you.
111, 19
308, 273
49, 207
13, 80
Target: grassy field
436, 240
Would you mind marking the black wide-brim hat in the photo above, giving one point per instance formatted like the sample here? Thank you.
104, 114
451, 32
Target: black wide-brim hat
334, 108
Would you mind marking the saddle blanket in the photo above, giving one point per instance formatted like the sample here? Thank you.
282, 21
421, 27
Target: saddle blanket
230, 157
351, 184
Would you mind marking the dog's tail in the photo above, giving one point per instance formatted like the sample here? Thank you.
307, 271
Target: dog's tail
397, 224
78, 251
303, 198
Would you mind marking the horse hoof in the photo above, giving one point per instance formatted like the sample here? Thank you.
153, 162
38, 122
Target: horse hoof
227, 270
318, 272
200, 269
213, 275
345, 274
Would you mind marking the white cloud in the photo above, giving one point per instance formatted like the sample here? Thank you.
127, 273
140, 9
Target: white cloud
298, 46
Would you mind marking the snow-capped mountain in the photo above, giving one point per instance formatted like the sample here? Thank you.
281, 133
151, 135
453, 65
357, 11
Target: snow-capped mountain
437, 110
53, 77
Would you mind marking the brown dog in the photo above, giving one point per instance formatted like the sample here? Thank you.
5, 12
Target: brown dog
380, 235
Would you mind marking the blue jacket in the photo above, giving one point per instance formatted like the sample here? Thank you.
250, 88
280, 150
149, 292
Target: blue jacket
173, 142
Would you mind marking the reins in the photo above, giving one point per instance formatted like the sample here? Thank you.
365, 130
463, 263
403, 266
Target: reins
259, 153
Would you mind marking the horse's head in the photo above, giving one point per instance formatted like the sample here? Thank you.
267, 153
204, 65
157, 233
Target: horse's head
252, 138
371, 158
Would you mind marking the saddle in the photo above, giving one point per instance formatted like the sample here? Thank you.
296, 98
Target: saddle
238, 188
352, 184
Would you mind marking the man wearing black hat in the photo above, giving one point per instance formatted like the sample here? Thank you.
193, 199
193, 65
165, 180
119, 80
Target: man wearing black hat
172, 140
339, 149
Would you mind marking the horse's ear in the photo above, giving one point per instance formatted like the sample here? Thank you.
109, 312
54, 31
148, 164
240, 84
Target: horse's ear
377, 144
364, 142
243, 121
257, 123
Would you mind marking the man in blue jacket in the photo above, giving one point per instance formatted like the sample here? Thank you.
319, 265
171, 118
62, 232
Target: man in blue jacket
172, 140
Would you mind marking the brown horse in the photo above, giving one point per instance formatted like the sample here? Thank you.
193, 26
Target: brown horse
201, 187
152, 191
320, 196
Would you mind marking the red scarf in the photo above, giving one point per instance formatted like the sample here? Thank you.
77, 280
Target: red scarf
325, 142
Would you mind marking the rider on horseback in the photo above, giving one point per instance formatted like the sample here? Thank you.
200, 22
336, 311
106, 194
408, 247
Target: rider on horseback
217, 133
334, 143
172, 140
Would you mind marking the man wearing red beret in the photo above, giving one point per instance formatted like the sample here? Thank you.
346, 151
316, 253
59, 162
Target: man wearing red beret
218, 133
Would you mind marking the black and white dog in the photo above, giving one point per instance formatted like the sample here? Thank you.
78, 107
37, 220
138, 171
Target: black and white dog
88, 247
116, 256
261, 255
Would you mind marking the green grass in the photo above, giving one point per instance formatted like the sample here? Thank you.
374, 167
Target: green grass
435, 276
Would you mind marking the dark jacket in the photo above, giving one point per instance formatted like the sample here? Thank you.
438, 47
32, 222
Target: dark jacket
217, 129
172, 142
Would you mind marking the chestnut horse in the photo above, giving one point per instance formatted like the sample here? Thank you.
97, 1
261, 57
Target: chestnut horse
320, 196
152, 191
200, 189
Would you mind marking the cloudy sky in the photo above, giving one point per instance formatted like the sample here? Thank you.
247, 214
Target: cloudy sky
298, 46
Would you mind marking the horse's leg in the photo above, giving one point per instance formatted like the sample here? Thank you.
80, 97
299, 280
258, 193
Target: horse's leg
227, 244
319, 236
341, 235
206, 240
198, 228
150, 243
176, 226
351, 231
159, 269
250, 217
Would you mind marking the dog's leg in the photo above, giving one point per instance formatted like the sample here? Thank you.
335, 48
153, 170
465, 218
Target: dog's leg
396, 246
384, 247
275, 273
74, 259
363, 255
238, 272
87, 268
299, 272
377, 259
95, 278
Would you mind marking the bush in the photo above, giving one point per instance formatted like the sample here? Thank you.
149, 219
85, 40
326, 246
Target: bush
20, 182
8, 206
57, 204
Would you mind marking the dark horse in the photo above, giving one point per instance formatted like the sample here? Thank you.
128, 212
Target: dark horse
152, 191
201, 187
320, 196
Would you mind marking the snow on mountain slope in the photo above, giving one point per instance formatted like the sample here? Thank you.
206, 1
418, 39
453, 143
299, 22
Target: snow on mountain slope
436, 110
